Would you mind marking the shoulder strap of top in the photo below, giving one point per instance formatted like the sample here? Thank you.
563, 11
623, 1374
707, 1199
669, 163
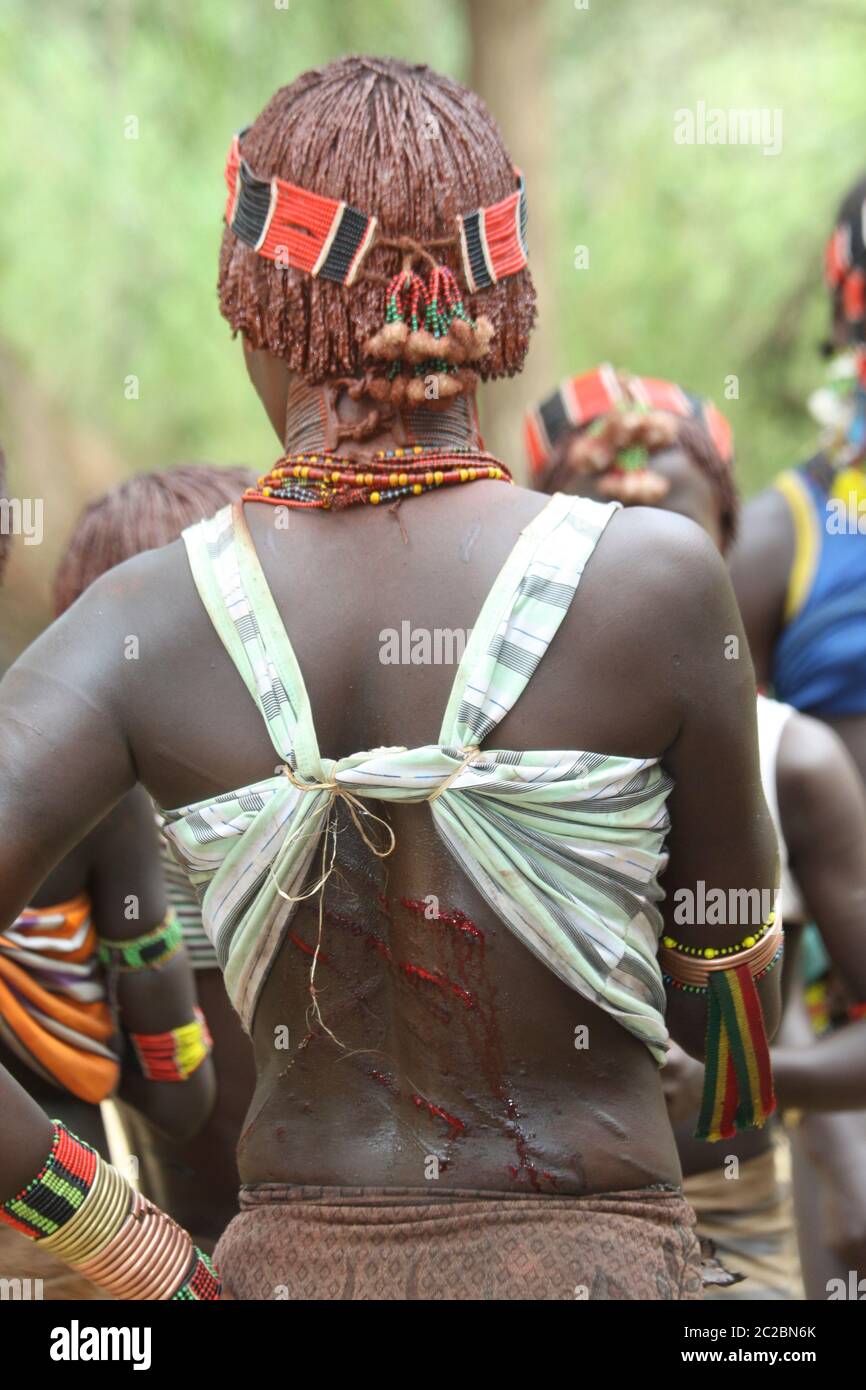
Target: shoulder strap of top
235, 593
772, 718
807, 540
521, 614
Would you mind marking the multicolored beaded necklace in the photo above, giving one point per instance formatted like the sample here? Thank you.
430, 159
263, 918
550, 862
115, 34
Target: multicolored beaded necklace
328, 480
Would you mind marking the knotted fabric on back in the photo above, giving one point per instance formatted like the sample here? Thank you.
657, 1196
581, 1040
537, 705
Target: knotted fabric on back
565, 845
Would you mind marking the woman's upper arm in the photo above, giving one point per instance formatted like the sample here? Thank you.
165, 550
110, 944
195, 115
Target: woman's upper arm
64, 757
722, 835
722, 843
127, 881
760, 566
823, 809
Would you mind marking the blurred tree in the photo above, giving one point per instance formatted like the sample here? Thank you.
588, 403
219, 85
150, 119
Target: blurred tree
510, 57
698, 262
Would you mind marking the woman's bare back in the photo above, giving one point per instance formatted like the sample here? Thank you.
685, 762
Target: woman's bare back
463, 1055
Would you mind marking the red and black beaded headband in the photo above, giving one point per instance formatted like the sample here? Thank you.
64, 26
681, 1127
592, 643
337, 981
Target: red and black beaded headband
493, 240
582, 399
306, 231
844, 262
329, 238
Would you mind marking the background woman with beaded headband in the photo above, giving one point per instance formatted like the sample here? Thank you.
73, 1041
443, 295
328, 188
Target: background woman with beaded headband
681, 458
799, 571
463, 1026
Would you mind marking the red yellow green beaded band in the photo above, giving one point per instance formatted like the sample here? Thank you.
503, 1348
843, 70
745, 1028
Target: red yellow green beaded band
146, 952
176, 1054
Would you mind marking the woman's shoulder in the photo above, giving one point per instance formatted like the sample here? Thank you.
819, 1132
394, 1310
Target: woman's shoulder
651, 550
660, 605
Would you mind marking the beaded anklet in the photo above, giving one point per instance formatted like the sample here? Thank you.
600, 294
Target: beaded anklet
175, 1055
328, 480
146, 952
84, 1211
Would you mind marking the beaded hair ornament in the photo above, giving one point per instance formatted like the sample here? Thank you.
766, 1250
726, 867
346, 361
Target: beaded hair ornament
845, 274
845, 270
428, 340
623, 419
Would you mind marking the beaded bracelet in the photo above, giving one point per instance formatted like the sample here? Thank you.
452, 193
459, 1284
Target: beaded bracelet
202, 1283
687, 970
175, 1055
147, 952
738, 1079
58, 1190
84, 1211
713, 952
702, 989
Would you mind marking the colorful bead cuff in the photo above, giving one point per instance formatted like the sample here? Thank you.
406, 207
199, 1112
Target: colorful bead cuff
147, 952
715, 952
83, 1210
702, 989
688, 970
58, 1190
175, 1055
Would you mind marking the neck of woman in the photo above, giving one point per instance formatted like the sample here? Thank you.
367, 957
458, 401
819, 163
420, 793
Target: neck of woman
328, 418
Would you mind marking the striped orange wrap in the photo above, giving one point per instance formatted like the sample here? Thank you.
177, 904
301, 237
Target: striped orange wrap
53, 1008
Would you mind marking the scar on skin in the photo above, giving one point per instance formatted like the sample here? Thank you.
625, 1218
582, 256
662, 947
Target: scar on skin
468, 541
608, 1121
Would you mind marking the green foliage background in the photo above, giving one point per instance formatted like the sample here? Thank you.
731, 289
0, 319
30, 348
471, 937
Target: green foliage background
704, 261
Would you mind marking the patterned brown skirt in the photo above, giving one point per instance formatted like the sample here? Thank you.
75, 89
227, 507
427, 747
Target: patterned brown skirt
393, 1244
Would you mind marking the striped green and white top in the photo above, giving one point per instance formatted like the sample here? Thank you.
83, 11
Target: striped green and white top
565, 846
181, 897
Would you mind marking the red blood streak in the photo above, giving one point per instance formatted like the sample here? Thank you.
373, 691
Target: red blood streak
461, 923
386, 1081
440, 981
457, 1125
379, 945
456, 919
308, 950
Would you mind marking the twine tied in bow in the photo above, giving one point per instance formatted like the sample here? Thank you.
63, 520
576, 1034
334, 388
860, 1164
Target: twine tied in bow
357, 810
